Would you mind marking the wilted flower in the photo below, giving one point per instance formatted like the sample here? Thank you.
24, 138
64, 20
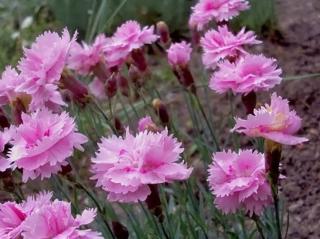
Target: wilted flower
250, 73
274, 122
219, 10
125, 166
55, 220
83, 58
41, 68
128, 37
179, 54
13, 215
221, 43
238, 180
43, 142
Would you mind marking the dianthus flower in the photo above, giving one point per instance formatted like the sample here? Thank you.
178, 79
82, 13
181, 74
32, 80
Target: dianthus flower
125, 166
179, 54
43, 142
13, 215
83, 58
238, 180
219, 10
250, 73
221, 43
10, 80
54, 220
41, 68
274, 122
128, 37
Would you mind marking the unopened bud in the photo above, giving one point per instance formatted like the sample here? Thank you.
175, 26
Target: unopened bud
111, 86
123, 85
154, 203
135, 76
118, 126
78, 89
119, 230
139, 60
163, 31
4, 122
101, 71
161, 110
187, 79
249, 101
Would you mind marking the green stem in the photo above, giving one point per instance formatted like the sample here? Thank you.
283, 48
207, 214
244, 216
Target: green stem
274, 189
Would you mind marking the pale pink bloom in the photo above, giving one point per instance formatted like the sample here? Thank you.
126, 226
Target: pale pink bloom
13, 215
43, 142
128, 37
219, 10
42, 66
274, 122
222, 43
55, 221
125, 166
179, 54
144, 123
250, 73
97, 88
10, 80
238, 180
84, 57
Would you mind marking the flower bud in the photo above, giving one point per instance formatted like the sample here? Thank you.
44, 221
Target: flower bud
163, 31
154, 203
123, 85
78, 89
139, 60
118, 126
101, 71
187, 79
249, 101
111, 86
119, 230
135, 76
161, 110
4, 122
17, 109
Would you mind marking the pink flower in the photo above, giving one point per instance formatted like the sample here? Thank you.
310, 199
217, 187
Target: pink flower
83, 58
238, 180
43, 142
10, 80
250, 73
274, 122
219, 10
55, 221
179, 54
97, 88
128, 37
13, 215
124, 167
144, 123
42, 66
221, 43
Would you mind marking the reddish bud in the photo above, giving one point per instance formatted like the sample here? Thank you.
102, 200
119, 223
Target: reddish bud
123, 85
161, 110
163, 31
154, 203
101, 71
17, 109
111, 86
249, 101
118, 126
139, 60
119, 230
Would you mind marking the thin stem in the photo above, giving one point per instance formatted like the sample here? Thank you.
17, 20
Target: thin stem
274, 189
105, 117
207, 122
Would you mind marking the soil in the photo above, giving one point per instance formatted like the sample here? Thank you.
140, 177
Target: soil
299, 54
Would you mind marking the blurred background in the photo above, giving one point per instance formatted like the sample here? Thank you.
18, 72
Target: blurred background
21, 21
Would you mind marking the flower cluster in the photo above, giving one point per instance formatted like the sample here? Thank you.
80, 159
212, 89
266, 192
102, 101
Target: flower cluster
125, 166
39, 217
